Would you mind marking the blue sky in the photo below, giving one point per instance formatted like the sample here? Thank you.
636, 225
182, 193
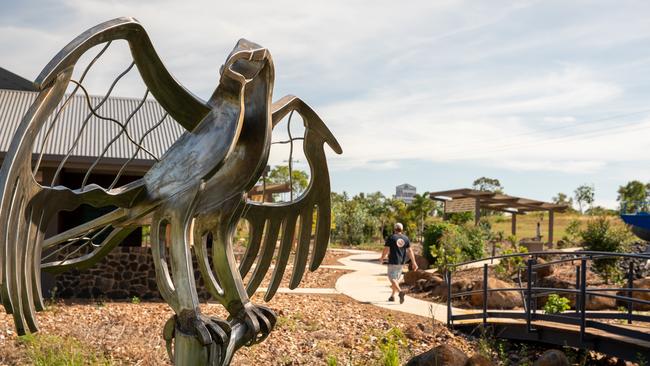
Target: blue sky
543, 95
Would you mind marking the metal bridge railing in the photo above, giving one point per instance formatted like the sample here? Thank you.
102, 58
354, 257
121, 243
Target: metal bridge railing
580, 316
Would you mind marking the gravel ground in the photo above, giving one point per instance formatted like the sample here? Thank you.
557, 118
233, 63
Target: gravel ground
310, 329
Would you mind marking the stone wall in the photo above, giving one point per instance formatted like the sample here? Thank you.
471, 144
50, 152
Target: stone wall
124, 273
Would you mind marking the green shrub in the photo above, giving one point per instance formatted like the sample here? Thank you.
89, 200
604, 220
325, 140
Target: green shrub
449, 250
477, 237
600, 235
446, 243
556, 304
574, 228
135, 300
432, 235
459, 218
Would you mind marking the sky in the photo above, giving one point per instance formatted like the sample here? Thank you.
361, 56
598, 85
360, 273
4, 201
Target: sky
543, 95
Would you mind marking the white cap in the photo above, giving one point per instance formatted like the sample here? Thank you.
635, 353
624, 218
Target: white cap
398, 226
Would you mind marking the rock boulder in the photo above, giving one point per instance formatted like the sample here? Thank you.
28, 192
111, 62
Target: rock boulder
552, 357
496, 299
443, 354
412, 277
540, 272
478, 360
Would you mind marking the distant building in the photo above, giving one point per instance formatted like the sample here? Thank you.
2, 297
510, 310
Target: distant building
405, 192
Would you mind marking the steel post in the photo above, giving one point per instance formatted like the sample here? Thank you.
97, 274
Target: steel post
583, 298
485, 293
449, 314
630, 285
529, 294
577, 302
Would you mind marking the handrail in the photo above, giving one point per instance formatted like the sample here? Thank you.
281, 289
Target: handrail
601, 255
563, 290
530, 292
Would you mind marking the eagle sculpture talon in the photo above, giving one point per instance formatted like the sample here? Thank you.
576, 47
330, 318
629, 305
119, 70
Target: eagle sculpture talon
213, 333
260, 321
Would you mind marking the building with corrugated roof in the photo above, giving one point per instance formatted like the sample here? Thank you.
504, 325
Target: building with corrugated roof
82, 146
94, 140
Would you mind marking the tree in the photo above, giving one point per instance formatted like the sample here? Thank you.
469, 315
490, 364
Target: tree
563, 199
584, 195
349, 218
280, 175
379, 208
488, 184
631, 194
421, 206
401, 213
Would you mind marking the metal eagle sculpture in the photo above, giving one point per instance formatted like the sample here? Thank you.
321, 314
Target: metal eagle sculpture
193, 198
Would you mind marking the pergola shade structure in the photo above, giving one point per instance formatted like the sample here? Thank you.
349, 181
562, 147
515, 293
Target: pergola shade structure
466, 199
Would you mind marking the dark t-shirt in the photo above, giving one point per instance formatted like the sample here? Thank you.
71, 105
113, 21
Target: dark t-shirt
397, 243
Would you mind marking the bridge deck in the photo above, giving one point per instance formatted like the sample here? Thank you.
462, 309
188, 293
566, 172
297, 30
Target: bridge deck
560, 334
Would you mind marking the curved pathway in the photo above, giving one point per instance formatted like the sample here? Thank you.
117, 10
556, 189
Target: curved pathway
368, 284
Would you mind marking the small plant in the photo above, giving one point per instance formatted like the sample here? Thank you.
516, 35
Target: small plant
389, 347
332, 361
286, 322
135, 300
501, 352
556, 304
100, 302
507, 267
487, 344
523, 355
53, 292
641, 360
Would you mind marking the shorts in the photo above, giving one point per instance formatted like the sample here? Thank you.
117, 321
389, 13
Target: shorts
395, 271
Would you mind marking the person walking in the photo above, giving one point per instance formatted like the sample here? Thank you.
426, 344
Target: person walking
397, 247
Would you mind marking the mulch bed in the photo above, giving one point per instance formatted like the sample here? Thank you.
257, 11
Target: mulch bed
310, 329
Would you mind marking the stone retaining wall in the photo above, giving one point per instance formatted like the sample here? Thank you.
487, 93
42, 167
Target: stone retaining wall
124, 273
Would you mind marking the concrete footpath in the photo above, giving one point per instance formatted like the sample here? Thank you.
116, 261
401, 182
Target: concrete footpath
368, 284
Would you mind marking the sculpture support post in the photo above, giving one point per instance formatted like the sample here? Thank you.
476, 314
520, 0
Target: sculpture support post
188, 350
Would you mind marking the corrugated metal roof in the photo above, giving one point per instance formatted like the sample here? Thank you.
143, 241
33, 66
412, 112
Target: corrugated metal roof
97, 133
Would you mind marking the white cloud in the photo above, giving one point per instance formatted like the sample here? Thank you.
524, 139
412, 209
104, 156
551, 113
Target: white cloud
487, 124
507, 84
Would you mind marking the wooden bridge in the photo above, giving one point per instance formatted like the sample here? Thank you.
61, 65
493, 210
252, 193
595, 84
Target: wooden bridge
624, 334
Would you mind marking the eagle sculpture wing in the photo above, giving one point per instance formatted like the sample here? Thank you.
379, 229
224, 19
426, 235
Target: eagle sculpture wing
268, 220
27, 206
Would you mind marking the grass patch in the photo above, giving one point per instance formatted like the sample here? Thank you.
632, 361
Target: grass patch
51, 350
527, 224
284, 322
